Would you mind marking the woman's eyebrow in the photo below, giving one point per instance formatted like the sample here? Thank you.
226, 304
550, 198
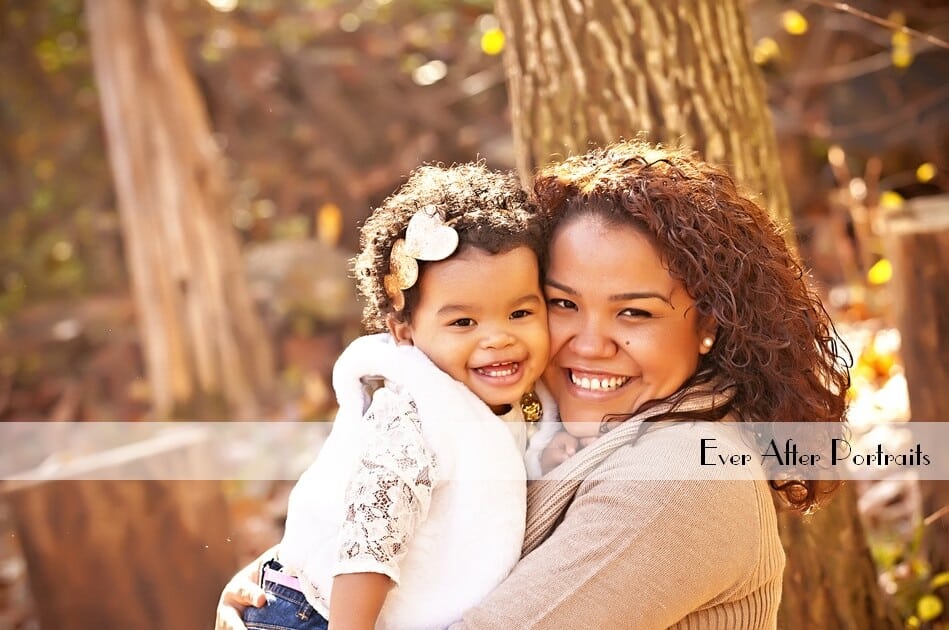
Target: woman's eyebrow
640, 295
618, 297
561, 287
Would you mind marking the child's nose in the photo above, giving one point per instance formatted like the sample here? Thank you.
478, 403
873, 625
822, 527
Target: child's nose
497, 339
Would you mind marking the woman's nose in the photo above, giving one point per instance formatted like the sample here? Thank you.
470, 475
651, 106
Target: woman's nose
593, 342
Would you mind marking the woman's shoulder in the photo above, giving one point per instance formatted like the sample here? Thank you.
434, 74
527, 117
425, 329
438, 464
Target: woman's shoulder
665, 471
650, 486
688, 450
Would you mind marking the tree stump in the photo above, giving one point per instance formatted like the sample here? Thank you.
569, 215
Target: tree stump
125, 554
917, 242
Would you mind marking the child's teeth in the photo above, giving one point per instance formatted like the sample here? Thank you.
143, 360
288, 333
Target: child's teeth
497, 371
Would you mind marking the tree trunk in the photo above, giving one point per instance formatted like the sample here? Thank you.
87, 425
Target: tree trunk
592, 72
589, 72
830, 580
206, 353
917, 242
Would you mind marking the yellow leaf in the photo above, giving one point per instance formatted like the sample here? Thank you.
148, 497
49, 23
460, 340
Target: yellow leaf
929, 607
902, 56
44, 169
900, 38
793, 22
492, 41
913, 622
897, 17
211, 53
766, 49
880, 272
925, 172
939, 580
329, 223
891, 200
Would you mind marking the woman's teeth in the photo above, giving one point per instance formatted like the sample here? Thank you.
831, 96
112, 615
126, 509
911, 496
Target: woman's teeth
498, 369
603, 384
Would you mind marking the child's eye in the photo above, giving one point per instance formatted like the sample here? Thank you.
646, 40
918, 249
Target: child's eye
463, 322
522, 312
561, 303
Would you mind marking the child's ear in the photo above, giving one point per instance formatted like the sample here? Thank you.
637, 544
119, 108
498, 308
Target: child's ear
400, 330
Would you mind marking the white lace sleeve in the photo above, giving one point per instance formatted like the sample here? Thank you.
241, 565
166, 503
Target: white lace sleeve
390, 493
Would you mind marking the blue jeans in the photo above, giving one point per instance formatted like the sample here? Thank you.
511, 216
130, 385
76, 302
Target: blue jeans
286, 609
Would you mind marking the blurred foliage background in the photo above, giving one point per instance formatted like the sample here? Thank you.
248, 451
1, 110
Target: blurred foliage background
321, 108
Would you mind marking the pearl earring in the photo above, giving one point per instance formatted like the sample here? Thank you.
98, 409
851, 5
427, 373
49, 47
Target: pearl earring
707, 342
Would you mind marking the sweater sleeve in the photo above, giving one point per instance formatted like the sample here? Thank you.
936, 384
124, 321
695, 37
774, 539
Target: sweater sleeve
642, 554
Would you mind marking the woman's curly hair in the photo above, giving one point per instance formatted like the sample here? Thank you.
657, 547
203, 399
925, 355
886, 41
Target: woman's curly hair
487, 208
775, 343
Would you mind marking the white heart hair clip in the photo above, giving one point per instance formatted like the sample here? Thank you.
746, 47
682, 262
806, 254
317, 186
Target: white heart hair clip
427, 237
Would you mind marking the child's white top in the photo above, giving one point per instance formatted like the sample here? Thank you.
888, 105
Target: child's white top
426, 486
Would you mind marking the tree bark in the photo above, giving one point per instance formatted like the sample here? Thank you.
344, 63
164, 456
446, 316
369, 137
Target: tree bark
830, 580
588, 72
917, 242
206, 353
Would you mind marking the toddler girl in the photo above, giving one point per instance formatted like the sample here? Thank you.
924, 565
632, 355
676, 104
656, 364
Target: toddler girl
414, 509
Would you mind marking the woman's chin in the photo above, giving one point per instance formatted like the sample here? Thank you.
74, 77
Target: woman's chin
582, 428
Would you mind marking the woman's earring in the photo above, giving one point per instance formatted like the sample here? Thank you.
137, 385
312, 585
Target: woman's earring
707, 342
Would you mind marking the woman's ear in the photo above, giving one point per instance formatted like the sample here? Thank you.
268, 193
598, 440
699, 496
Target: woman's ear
400, 330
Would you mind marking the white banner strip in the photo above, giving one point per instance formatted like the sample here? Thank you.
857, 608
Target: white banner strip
33, 452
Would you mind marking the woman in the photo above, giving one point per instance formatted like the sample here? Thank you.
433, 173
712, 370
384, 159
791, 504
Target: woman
670, 297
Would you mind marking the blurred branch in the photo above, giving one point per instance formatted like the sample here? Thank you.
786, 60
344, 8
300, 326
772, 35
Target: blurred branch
882, 123
845, 71
935, 516
890, 24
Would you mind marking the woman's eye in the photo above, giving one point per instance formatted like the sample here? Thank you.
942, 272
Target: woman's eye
463, 322
523, 312
635, 312
561, 303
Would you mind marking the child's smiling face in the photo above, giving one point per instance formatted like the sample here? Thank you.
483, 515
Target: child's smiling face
481, 318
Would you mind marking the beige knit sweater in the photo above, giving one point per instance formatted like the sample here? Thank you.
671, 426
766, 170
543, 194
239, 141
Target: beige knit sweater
644, 554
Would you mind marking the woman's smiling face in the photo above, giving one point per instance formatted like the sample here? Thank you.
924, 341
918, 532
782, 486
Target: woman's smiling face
622, 330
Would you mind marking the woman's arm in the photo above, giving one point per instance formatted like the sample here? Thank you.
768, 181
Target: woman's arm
242, 591
641, 553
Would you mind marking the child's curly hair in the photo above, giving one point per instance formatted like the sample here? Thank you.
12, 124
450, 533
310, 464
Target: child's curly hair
775, 342
487, 208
